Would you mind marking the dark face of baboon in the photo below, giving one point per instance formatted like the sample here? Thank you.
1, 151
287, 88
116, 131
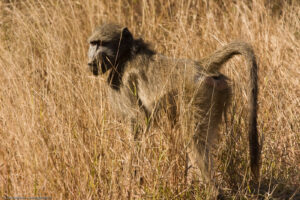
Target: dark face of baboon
110, 47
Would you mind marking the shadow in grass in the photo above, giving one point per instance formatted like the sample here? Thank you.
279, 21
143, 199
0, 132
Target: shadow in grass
272, 189
268, 190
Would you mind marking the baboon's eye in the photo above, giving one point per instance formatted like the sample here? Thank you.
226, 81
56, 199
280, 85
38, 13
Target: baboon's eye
99, 43
95, 42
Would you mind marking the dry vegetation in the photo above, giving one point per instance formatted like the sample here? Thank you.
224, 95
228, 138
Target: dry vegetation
58, 138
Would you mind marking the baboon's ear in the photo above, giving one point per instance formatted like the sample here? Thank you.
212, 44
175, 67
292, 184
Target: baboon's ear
126, 33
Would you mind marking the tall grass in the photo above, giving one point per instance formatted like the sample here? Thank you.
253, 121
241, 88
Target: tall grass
59, 139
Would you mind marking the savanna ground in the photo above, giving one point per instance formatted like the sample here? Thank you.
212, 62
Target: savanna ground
58, 138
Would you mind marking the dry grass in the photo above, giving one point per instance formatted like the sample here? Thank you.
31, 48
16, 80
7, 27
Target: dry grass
58, 139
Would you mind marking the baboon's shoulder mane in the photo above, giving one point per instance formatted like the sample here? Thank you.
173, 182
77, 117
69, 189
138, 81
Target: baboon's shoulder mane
141, 47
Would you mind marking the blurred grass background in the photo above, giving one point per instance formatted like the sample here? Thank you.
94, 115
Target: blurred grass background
58, 138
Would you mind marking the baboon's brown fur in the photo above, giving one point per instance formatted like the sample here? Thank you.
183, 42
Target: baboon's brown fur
143, 83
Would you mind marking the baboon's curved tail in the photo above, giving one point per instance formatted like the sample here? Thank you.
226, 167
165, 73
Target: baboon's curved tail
213, 63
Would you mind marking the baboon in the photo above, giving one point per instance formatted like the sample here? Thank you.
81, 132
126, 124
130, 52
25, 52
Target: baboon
143, 84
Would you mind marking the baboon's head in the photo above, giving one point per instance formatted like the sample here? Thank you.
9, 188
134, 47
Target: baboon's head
110, 47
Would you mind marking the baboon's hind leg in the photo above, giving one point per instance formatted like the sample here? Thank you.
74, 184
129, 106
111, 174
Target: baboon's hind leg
200, 162
210, 104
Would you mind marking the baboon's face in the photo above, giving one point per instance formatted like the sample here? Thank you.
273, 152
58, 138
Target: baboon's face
101, 55
107, 45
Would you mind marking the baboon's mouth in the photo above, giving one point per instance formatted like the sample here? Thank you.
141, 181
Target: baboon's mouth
99, 68
95, 71
93, 68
